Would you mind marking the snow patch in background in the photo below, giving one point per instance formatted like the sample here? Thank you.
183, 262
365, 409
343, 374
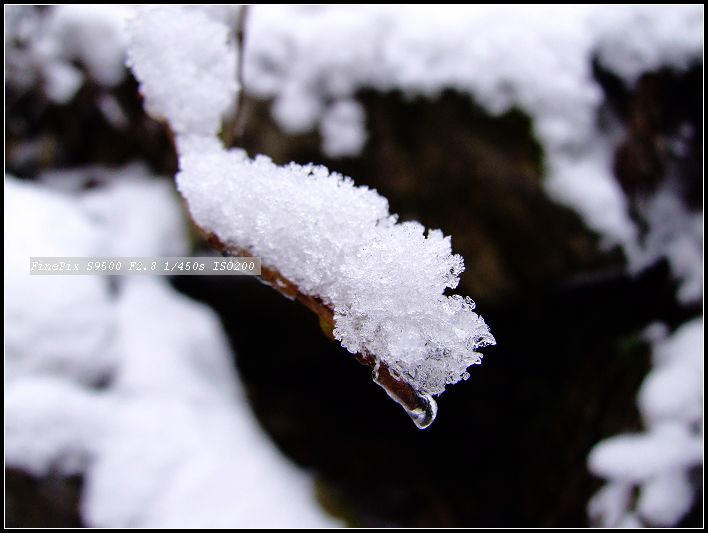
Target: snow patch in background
59, 326
342, 129
674, 233
168, 438
308, 59
43, 45
658, 461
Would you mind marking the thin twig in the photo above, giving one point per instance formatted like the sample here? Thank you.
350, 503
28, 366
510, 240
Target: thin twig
400, 390
419, 406
234, 130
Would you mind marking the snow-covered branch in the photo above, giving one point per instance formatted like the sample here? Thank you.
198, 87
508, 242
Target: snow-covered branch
382, 281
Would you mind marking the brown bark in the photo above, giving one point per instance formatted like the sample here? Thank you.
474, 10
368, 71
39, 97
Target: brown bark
399, 389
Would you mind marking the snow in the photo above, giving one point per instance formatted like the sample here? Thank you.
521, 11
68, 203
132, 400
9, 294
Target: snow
168, 440
337, 242
312, 60
93, 33
658, 460
51, 424
151, 320
674, 233
342, 129
112, 111
660, 36
160, 431
176, 385
186, 64
48, 44
52, 328
384, 280
141, 212
608, 507
309, 59
630, 521
639, 458
62, 81
673, 390
666, 498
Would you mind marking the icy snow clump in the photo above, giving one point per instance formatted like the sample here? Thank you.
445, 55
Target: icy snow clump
186, 64
384, 281
338, 242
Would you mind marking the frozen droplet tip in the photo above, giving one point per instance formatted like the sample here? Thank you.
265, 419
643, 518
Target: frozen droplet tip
424, 416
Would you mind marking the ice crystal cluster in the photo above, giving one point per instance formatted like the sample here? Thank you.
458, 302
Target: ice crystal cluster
384, 280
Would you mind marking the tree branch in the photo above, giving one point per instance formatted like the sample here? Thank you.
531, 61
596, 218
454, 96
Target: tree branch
419, 406
234, 128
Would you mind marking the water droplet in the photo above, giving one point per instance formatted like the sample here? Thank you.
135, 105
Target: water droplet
421, 407
425, 415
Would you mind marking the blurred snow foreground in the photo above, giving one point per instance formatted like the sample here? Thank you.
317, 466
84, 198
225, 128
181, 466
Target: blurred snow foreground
130, 386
